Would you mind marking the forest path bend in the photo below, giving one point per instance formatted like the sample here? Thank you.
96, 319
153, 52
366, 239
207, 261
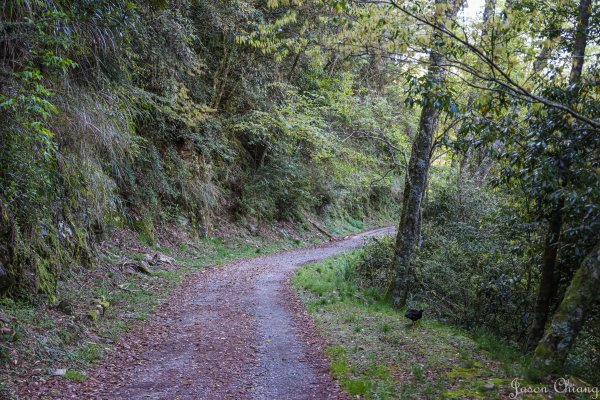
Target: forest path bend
230, 332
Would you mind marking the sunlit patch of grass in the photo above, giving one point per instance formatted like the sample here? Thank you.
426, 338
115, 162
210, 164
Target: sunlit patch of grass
75, 375
385, 327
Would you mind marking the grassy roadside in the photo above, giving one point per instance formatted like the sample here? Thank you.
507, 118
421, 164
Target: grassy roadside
95, 307
376, 353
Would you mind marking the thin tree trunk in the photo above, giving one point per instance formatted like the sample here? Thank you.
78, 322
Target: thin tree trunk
294, 64
480, 175
418, 170
581, 36
548, 281
581, 296
7, 243
463, 173
408, 228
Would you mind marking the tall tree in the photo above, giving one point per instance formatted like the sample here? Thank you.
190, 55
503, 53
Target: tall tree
549, 279
583, 291
418, 168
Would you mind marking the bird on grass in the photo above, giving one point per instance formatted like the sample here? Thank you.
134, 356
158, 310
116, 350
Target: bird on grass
414, 315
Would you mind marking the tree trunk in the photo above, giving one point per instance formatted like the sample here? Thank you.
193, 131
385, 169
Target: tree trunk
418, 169
7, 243
581, 296
408, 228
482, 171
549, 281
583, 22
463, 173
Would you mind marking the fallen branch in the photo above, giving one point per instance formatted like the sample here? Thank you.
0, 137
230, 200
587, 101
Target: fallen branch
320, 229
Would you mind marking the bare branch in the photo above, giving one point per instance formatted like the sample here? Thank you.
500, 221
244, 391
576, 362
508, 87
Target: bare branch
506, 80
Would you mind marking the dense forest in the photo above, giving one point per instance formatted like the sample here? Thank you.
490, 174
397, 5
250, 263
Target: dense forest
476, 134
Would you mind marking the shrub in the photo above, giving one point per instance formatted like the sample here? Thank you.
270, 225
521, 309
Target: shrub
468, 268
467, 271
372, 269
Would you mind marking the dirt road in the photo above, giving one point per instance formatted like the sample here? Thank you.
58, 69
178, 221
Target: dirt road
230, 332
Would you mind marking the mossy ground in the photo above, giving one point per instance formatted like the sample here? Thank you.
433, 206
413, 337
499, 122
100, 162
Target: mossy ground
376, 353
104, 301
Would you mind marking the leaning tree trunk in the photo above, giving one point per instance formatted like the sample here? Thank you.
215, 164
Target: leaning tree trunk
581, 296
418, 170
548, 281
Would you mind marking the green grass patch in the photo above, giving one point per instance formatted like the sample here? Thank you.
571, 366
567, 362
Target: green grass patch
75, 376
376, 353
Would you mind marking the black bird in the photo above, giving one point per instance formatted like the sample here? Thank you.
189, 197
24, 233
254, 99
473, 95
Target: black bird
414, 315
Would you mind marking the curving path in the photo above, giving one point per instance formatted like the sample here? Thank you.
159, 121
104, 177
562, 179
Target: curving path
230, 332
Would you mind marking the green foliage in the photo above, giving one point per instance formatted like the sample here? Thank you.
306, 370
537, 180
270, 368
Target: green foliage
295, 151
373, 267
125, 114
30, 145
329, 280
470, 269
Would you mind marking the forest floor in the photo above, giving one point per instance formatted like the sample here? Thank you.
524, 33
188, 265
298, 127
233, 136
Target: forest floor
232, 331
